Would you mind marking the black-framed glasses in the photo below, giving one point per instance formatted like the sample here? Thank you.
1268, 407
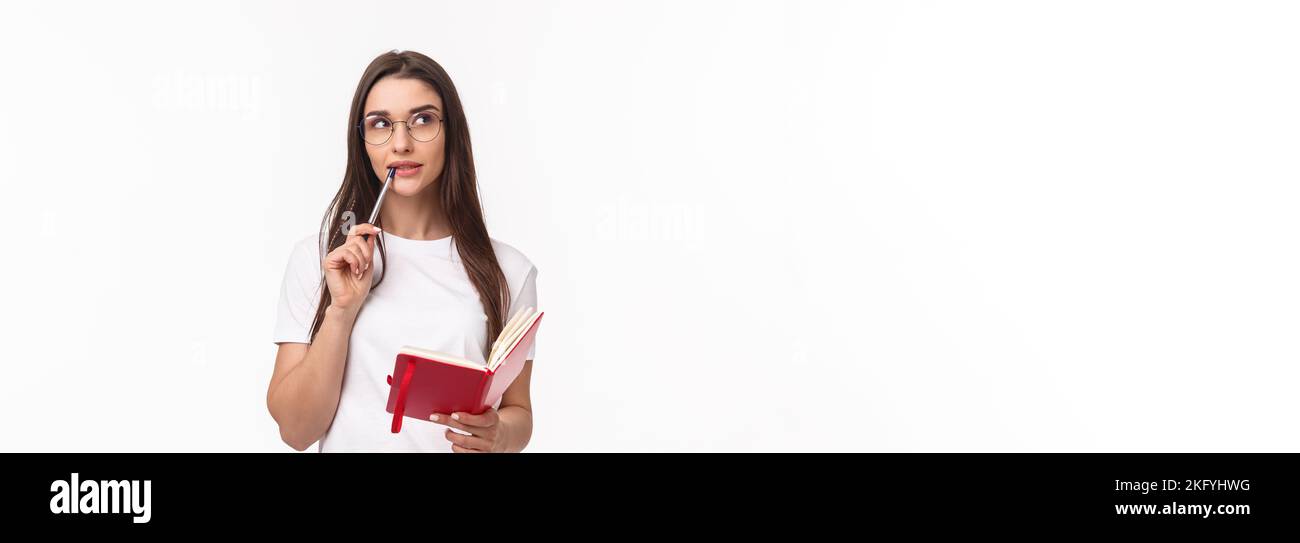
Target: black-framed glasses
422, 126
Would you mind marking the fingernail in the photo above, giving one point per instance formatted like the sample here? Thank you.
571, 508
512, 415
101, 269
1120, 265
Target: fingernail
456, 416
434, 418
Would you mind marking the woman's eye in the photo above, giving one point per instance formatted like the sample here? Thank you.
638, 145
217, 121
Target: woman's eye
423, 118
377, 123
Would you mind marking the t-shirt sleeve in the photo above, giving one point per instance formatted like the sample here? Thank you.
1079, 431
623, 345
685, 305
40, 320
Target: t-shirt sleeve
526, 297
299, 296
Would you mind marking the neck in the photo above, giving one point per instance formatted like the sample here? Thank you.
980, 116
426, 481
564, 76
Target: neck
418, 217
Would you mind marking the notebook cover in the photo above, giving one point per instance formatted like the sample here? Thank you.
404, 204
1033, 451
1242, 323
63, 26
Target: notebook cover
439, 387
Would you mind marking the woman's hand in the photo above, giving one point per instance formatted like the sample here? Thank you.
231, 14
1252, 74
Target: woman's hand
348, 270
483, 425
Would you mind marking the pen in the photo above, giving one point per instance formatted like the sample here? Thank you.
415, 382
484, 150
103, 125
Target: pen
380, 202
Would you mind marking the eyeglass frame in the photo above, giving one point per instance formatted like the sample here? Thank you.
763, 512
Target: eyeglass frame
361, 127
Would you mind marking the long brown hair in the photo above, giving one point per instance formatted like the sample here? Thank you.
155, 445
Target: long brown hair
457, 188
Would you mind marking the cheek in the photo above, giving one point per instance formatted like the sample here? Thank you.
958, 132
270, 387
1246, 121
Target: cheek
436, 159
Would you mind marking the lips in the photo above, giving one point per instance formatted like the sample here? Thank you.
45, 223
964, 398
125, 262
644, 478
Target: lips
404, 164
406, 168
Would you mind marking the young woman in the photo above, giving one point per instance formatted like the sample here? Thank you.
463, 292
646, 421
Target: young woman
438, 282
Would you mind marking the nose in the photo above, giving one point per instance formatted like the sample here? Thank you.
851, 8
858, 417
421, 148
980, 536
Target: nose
401, 138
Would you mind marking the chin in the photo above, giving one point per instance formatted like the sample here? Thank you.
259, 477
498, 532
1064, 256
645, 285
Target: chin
409, 187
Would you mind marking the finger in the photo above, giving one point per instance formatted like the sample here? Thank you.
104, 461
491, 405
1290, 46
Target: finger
484, 419
333, 261
459, 449
367, 252
360, 258
336, 259
354, 263
363, 249
469, 442
343, 259
363, 228
480, 431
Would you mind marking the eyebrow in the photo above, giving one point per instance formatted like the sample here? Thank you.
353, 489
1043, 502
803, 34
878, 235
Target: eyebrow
414, 110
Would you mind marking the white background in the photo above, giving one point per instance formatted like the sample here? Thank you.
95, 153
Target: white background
834, 226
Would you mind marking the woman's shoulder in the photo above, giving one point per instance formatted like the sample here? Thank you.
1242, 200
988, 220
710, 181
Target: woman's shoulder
514, 263
306, 249
309, 244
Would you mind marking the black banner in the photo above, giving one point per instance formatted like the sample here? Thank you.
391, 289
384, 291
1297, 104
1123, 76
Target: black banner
156, 493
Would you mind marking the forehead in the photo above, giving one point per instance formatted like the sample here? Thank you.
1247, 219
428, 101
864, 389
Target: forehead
399, 94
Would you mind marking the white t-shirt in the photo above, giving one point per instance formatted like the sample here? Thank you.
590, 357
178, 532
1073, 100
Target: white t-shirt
426, 300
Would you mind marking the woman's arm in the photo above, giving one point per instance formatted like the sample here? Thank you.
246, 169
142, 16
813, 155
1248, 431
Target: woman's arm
516, 412
304, 391
308, 379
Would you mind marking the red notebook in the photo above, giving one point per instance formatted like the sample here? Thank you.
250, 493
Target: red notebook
426, 382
